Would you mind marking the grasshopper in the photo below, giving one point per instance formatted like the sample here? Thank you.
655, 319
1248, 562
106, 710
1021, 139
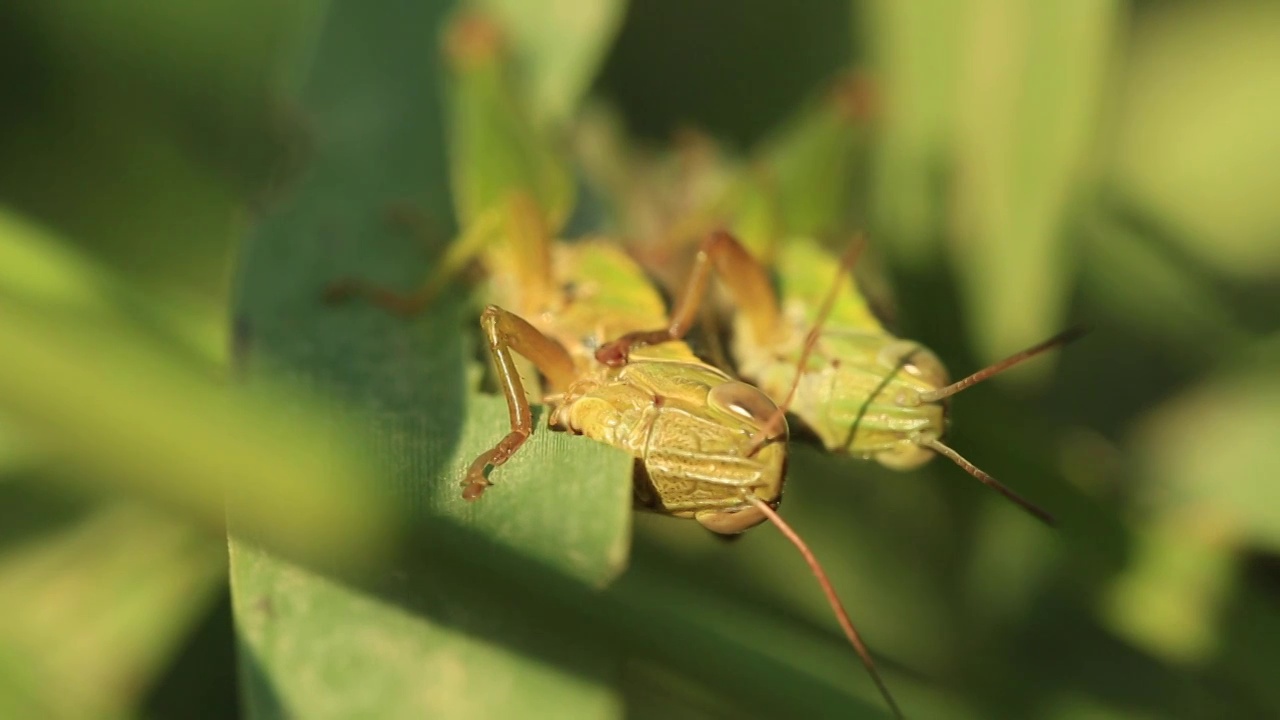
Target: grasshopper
828, 360
706, 446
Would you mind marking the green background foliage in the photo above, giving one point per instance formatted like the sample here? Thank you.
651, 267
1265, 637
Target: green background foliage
220, 498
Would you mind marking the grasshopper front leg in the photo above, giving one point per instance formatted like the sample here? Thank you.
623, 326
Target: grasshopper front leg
746, 279
508, 333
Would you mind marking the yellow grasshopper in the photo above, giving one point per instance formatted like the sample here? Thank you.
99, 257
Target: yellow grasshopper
706, 446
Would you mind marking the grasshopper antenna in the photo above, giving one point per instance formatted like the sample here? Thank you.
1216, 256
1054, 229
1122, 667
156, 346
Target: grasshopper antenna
943, 449
994, 369
946, 451
837, 607
773, 427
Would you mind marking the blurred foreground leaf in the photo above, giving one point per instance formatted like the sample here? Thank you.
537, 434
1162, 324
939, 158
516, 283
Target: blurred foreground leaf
1213, 448
42, 270
91, 608
114, 412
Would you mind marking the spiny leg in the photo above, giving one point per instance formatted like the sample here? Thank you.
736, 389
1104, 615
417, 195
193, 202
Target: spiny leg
507, 333
744, 276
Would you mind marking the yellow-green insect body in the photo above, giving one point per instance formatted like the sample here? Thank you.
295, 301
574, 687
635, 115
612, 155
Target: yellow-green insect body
688, 424
825, 356
859, 388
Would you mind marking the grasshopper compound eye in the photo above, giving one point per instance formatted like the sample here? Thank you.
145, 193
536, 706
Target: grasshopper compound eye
745, 401
925, 365
915, 360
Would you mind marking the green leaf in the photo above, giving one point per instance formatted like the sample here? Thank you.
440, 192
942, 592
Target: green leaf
41, 269
425, 639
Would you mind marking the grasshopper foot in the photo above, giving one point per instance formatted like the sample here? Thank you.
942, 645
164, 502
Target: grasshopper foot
474, 489
476, 482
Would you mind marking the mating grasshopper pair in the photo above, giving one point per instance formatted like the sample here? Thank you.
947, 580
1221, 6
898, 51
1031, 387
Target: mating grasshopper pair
801, 330
707, 446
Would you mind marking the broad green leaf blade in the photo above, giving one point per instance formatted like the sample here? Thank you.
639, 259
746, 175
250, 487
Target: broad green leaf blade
92, 602
429, 642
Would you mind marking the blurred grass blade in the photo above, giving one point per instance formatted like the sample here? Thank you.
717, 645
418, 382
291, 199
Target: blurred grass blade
18, 451
40, 269
1030, 88
914, 46
113, 410
1003, 103
90, 610
1202, 78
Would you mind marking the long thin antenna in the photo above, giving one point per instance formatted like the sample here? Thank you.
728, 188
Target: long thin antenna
1058, 340
837, 607
942, 449
771, 427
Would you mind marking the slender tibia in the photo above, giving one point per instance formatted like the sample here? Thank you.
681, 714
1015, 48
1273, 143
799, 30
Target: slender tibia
507, 334
743, 275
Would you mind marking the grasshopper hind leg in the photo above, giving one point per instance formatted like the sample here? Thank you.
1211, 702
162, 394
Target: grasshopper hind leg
505, 334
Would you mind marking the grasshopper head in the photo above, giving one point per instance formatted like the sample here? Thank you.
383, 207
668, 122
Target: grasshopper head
752, 412
917, 370
702, 455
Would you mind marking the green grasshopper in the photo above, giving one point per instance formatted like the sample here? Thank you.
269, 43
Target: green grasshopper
694, 431
828, 360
